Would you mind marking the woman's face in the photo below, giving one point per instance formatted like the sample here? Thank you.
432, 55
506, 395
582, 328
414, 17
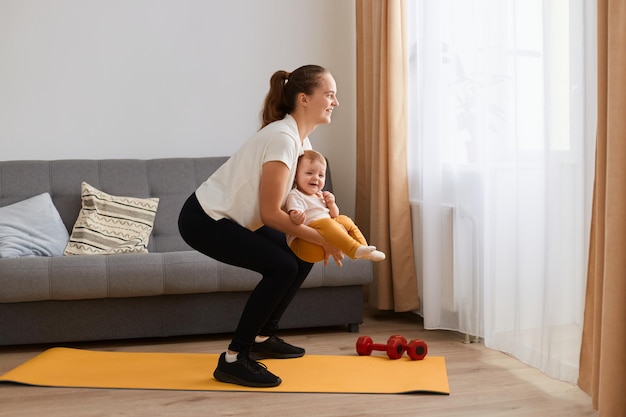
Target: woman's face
321, 103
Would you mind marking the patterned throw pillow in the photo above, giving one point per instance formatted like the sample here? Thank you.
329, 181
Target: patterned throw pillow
108, 224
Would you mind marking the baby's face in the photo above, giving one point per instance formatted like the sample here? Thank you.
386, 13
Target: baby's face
310, 176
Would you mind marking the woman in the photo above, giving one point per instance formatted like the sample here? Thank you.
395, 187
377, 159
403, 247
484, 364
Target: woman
236, 217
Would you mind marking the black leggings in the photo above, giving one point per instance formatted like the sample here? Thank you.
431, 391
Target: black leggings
265, 251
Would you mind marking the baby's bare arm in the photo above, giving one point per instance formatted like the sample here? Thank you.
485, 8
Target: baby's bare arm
297, 216
329, 199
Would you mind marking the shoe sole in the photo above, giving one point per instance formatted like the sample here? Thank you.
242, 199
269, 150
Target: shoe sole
223, 377
257, 356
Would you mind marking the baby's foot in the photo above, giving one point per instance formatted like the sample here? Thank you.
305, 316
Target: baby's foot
374, 255
370, 253
364, 250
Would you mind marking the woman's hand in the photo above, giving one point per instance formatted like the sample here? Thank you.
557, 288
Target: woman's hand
337, 254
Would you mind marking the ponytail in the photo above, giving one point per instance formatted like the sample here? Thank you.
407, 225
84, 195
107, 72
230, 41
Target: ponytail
284, 90
274, 107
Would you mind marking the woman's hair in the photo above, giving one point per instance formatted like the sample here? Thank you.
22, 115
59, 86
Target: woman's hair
284, 90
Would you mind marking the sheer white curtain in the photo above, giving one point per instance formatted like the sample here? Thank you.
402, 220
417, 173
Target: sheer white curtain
500, 166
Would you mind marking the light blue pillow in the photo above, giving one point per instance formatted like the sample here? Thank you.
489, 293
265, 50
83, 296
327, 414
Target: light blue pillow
32, 227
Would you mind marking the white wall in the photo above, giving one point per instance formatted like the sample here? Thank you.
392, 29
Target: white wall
166, 78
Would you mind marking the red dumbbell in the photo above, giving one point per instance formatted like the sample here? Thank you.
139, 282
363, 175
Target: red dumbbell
394, 347
415, 349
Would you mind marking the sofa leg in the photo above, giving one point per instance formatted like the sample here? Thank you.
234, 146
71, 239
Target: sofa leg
353, 327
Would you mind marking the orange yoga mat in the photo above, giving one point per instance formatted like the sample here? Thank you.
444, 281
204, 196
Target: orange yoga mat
65, 367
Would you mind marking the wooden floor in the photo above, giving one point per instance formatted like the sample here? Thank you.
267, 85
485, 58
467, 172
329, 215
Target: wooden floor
483, 382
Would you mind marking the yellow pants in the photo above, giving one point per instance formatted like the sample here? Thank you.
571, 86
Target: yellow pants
340, 232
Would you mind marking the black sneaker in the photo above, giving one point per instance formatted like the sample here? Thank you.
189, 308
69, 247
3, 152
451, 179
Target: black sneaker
275, 348
244, 371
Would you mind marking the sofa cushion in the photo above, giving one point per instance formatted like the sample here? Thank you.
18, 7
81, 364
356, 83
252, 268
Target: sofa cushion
144, 275
32, 227
110, 224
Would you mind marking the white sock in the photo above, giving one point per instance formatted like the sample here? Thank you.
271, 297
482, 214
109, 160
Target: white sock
363, 251
374, 255
230, 358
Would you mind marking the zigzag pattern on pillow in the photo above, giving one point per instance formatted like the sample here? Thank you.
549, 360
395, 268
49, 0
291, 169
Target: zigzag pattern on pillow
110, 224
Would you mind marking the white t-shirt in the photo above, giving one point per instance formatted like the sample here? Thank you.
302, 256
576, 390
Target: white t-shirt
232, 191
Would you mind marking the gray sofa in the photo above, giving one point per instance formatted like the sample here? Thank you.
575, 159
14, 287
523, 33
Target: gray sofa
170, 291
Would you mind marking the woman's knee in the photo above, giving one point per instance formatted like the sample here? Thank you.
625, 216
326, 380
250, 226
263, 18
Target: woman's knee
281, 267
287, 268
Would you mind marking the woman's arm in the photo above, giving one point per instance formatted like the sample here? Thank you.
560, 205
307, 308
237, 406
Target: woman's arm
274, 177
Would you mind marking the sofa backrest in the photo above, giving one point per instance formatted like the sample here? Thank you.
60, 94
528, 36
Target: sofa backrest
170, 179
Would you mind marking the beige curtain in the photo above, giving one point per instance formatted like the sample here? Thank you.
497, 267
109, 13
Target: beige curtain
603, 352
382, 196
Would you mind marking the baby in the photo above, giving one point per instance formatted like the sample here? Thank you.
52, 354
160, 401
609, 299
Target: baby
307, 203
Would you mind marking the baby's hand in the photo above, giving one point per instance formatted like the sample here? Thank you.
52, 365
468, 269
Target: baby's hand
328, 197
297, 216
